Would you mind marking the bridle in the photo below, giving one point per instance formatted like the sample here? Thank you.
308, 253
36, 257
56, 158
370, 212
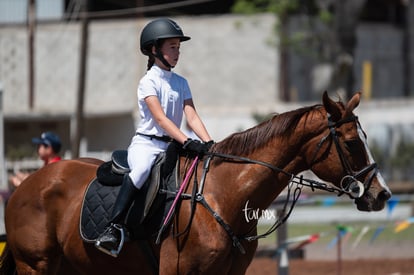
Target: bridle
349, 184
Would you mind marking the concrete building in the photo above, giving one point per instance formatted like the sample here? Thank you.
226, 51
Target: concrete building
232, 69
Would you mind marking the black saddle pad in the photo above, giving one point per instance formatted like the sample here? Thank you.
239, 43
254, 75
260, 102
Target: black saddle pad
149, 208
100, 198
96, 209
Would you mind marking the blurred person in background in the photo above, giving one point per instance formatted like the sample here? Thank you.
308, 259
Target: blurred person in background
48, 148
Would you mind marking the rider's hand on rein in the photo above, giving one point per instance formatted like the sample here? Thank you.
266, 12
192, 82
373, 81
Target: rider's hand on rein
197, 147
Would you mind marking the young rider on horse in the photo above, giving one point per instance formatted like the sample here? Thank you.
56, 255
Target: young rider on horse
163, 97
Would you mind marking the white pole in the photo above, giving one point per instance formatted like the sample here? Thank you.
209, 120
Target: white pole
283, 259
3, 179
283, 266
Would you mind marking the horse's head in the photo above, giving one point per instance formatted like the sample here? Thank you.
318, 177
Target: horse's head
342, 157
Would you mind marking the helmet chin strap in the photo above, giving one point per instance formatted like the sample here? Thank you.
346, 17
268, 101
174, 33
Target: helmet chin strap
160, 56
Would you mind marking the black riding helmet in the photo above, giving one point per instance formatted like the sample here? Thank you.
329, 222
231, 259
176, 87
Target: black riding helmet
156, 30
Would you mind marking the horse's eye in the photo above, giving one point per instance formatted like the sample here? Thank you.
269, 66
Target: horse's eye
353, 146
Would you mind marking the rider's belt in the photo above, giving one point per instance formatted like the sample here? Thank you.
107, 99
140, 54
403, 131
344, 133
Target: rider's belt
162, 138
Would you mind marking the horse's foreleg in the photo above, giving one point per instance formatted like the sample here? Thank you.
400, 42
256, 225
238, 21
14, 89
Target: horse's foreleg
241, 261
48, 265
33, 248
23, 268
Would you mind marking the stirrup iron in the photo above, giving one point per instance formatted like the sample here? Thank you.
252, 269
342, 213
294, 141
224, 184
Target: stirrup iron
113, 252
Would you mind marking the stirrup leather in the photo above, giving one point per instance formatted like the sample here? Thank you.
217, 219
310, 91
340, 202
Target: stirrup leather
112, 252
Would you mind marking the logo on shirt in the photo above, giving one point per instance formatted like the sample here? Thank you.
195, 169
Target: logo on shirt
172, 96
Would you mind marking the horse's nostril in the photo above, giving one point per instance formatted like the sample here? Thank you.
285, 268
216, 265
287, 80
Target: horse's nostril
384, 195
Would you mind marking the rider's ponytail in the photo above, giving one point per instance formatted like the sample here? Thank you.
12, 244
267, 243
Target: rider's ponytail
151, 61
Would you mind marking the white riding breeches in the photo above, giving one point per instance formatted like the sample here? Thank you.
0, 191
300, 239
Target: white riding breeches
142, 153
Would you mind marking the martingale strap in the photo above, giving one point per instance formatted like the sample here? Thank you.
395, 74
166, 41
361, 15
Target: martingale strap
199, 198
236, 241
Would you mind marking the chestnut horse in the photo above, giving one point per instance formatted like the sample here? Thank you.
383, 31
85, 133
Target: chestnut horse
253, 166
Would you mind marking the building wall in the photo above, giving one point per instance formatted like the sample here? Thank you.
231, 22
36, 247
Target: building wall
229, 63
231, 68
15, 11
381, 45
410, 40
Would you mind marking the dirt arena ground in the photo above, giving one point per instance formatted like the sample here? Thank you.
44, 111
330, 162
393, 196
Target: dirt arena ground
379, 259
268, 266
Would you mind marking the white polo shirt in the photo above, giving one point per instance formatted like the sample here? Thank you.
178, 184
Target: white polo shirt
171, 89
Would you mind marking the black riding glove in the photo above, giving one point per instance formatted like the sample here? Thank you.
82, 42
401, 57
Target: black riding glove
209, 144
195, 146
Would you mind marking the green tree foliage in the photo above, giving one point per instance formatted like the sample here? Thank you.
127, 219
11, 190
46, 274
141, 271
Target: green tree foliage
278, 7
308, 40
314, 31
283, 9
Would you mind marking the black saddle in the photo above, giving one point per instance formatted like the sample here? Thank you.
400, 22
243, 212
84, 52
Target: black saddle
152, 202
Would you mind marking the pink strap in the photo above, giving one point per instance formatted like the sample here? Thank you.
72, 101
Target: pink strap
181, 190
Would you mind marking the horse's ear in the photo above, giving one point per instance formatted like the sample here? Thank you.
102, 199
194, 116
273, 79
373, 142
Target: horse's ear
353, 102
331, 107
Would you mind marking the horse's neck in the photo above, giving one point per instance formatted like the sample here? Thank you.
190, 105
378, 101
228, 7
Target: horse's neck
249, 185
283, 153
258, 185
269, 183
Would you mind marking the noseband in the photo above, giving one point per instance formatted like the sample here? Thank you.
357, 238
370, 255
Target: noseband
350, 184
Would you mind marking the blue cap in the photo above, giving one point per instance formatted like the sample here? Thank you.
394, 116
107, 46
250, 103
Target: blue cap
49, 139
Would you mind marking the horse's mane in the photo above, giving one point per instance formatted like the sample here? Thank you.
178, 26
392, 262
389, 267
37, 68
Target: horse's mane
245, 142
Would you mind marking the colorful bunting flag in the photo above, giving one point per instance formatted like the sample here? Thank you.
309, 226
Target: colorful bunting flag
329, 201
342, 231
310, 239
361, 234
377, 233
403, 225
392, 203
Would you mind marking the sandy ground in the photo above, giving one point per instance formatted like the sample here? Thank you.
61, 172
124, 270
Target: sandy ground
366, 259
268, 266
